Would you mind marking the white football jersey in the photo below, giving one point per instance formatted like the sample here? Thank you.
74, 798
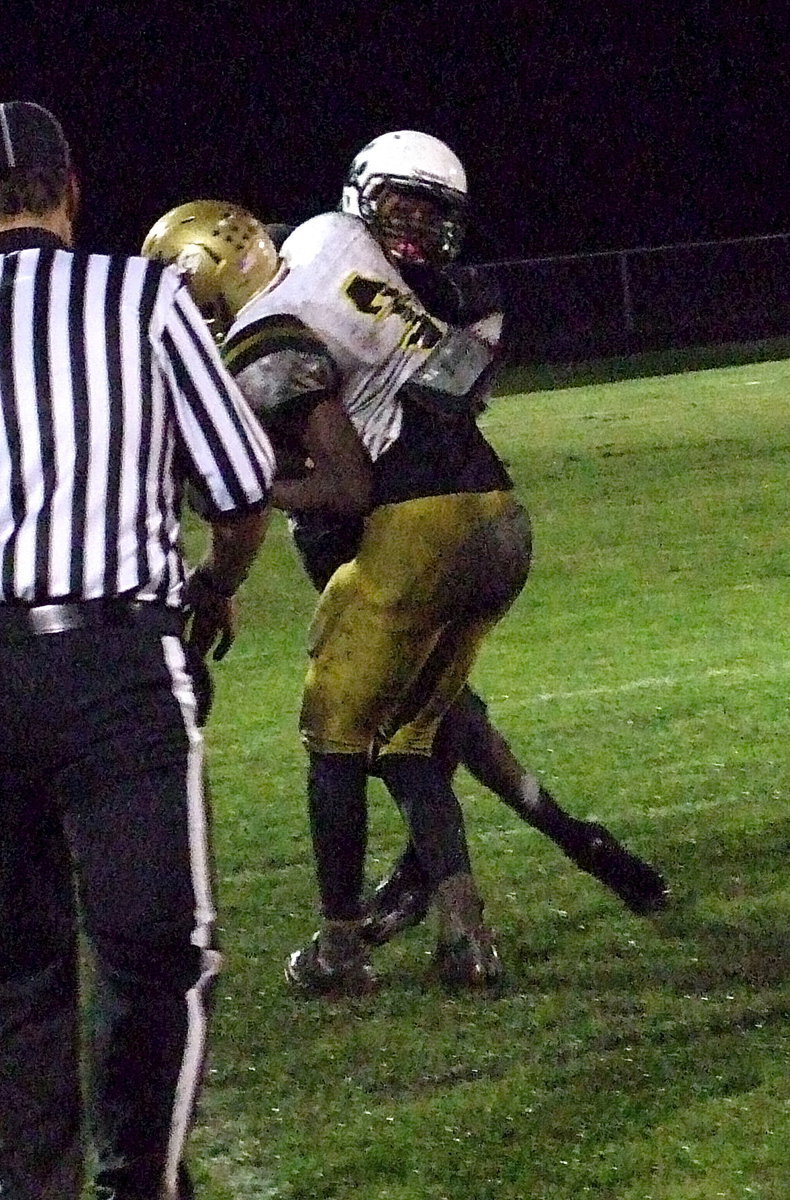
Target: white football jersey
336, 281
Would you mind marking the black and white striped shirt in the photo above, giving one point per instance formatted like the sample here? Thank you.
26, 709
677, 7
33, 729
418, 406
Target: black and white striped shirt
112, 395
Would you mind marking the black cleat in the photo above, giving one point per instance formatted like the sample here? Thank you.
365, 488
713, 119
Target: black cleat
388, 915
334, 963
640, 887
469, 960
465, 955
399, 902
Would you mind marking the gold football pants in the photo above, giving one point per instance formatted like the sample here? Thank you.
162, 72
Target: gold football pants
397, 629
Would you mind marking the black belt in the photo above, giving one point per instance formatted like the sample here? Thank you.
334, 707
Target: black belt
20, 621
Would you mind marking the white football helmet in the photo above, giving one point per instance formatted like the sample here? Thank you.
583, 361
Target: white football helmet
407, 163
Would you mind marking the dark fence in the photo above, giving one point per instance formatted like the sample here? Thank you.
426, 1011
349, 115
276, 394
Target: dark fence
618, 303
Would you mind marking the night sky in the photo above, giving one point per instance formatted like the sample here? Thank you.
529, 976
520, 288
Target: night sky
582, 126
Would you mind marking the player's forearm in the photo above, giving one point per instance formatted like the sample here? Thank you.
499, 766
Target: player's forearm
347, 497
340, 478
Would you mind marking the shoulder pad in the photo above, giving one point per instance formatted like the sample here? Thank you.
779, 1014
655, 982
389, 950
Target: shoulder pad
254, 339
278, 362
326, 232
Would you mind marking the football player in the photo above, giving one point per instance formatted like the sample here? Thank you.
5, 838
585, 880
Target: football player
380, 188
444, 548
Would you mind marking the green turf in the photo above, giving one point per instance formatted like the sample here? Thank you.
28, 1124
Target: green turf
644, 673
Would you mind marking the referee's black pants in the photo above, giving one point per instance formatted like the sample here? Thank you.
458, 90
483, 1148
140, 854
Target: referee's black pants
102, 814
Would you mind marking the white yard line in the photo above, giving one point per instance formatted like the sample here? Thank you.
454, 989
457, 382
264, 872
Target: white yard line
689, 806
731, 674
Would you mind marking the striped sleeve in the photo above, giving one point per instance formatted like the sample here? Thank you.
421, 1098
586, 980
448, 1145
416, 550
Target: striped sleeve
228, 454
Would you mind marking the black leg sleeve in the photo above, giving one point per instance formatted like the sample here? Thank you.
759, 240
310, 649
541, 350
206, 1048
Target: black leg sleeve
466, 735
432, 812
463, 726
408, 870
339, 829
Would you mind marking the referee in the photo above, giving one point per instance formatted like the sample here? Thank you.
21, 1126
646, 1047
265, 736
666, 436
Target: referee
112, 398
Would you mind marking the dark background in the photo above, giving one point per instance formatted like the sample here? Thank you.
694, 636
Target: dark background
583, 126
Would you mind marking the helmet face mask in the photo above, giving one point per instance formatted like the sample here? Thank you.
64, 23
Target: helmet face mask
410, 189
414, 224
222, 250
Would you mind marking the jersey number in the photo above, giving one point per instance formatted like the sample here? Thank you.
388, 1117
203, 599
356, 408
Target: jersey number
379, 299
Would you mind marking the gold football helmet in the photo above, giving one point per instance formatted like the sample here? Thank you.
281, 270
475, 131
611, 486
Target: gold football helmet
224, 252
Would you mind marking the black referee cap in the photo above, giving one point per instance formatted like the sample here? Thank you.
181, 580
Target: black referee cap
30, 137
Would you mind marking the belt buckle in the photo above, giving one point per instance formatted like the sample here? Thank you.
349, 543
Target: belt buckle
53, 618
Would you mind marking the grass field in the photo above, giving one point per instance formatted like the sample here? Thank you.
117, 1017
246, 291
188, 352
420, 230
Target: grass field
644, 675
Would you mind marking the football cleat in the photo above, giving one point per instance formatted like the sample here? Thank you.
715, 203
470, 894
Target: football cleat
114, 1184
334, 963
398, 903
469, 960
639, 885
465, 955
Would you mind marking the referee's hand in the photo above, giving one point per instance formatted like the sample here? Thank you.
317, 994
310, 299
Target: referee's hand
212, 616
